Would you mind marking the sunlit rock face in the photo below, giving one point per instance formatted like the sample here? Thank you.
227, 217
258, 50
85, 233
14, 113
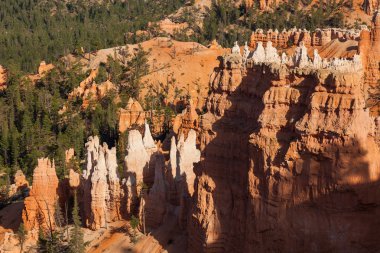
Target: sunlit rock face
294, 36
41, 204
290, 158
157, 187
133, 114
101, 187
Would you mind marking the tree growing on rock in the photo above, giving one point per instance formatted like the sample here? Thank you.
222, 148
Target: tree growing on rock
21, 234
76, 243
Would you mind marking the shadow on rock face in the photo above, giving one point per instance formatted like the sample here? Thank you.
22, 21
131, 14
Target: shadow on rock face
269, 181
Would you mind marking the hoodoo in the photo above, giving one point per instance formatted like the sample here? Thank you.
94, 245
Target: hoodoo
41, 204
161, 144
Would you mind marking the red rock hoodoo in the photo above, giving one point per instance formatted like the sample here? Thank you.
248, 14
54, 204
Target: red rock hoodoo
41, 204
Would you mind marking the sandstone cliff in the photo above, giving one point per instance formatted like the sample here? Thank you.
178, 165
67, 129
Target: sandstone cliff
290, 158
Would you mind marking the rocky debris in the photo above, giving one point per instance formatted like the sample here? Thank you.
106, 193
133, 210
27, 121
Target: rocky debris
101, 190
289, 151
41, 204
132, 115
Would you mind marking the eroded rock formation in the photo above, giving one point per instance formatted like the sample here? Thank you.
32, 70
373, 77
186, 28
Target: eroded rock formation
290, 159
101, 190
132, 115
41, 204
287, 38
20, 183
186, 120
88, 90
369, 48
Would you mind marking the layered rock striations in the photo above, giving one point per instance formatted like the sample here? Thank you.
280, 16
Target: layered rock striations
41, 204
290, 158
318, 38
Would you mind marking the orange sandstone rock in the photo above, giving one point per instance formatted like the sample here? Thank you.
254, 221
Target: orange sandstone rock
287, 154
3, 78
132, 115
44, 68
370, 54
20, 180
41, 204
69, 154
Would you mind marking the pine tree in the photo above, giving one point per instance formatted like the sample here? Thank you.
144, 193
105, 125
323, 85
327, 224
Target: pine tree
21, 233
42, 241
76, 244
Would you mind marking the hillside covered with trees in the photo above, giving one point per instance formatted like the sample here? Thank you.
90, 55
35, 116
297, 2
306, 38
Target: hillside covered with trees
36, 30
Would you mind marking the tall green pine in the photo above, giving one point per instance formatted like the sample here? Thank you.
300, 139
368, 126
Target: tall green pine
76, 244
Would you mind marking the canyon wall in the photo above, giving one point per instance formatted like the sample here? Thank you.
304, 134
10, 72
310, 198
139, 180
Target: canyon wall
285, 159
290, 157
